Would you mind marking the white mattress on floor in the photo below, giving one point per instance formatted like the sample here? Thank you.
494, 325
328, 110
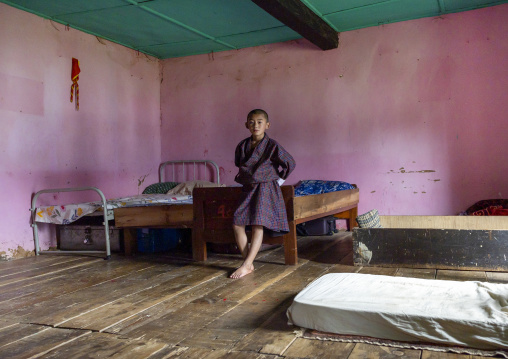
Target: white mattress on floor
472, 314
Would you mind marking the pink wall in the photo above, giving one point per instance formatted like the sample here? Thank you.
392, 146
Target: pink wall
111, 142
412, 112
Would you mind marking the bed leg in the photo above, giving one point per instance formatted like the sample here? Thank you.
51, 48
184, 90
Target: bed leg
198, 246
129, 241
353, 213
290, 246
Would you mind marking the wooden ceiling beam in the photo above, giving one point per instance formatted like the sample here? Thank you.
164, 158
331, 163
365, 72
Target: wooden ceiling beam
297, 16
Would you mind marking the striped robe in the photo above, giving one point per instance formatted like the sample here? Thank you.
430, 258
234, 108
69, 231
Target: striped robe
258, 171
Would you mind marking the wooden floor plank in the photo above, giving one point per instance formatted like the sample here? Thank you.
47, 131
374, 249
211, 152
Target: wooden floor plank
274, 335
15, 332
426, 354
46, 271
166, 307
245, 355
18, 265
423, 273
40, 343
378, 270
306, 348
65, 307
204, 310
341, 268
461, 275
17, 290
28, 298
271, 337
197, 293
7, 322
41, 266
227, 330
69, 280
188, 353
339, 250
362, 351
323, 249
120, 310
99, 345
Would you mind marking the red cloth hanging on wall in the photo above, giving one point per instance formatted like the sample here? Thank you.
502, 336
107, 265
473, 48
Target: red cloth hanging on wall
75, 77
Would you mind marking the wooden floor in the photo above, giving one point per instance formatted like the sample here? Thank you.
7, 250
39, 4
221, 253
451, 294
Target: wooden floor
167, 306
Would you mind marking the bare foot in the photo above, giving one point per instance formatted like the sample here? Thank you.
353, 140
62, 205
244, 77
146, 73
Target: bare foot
243, 270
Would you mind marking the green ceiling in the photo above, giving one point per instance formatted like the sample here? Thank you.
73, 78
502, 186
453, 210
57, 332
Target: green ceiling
174, 28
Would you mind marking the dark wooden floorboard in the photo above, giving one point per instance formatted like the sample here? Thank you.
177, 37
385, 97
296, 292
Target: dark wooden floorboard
167, 306
36, 290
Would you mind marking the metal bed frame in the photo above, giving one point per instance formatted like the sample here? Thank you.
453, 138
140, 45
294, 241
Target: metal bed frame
183, 163
108, 214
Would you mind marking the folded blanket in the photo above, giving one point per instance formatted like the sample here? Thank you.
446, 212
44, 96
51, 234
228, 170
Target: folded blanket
491, 211
309, 187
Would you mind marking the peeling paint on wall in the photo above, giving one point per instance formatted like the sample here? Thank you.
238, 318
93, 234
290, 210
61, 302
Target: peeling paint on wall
402, 170
19, 252
141, 180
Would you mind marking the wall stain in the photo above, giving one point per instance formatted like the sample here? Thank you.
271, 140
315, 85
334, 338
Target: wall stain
372, 191
402, 170
141, 180
19, 252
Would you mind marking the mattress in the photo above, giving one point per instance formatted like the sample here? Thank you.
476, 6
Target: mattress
470, 314
68, 213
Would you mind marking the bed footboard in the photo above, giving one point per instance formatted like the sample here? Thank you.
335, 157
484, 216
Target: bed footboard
75, 189
213, 221
214, 209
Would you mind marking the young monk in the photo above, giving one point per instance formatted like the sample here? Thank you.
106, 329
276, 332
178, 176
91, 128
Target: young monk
261, 163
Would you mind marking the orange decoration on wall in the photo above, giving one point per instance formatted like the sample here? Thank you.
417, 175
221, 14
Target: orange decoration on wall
75, 77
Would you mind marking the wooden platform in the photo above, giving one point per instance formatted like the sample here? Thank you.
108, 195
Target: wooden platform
441, 242
167, 306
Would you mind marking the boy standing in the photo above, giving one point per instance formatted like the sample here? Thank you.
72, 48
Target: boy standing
258, 159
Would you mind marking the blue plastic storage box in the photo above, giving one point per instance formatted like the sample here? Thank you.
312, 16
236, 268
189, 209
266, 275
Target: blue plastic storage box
153, 240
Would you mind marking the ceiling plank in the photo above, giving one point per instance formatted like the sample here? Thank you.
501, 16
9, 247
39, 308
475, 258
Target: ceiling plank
297, 16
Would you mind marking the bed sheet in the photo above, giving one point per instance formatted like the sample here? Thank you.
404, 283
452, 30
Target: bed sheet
65, 214
470, 314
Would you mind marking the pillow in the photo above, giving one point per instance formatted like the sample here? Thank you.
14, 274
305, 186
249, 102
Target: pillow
186, 188
161, 188
369, 219
307, 187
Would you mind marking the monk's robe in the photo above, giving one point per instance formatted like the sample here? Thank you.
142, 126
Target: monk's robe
259, 169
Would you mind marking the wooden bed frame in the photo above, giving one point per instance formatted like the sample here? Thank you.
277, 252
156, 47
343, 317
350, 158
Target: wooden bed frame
214, 207
164, 216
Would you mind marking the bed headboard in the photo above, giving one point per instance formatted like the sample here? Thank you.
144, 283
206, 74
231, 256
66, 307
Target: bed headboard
186, 166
